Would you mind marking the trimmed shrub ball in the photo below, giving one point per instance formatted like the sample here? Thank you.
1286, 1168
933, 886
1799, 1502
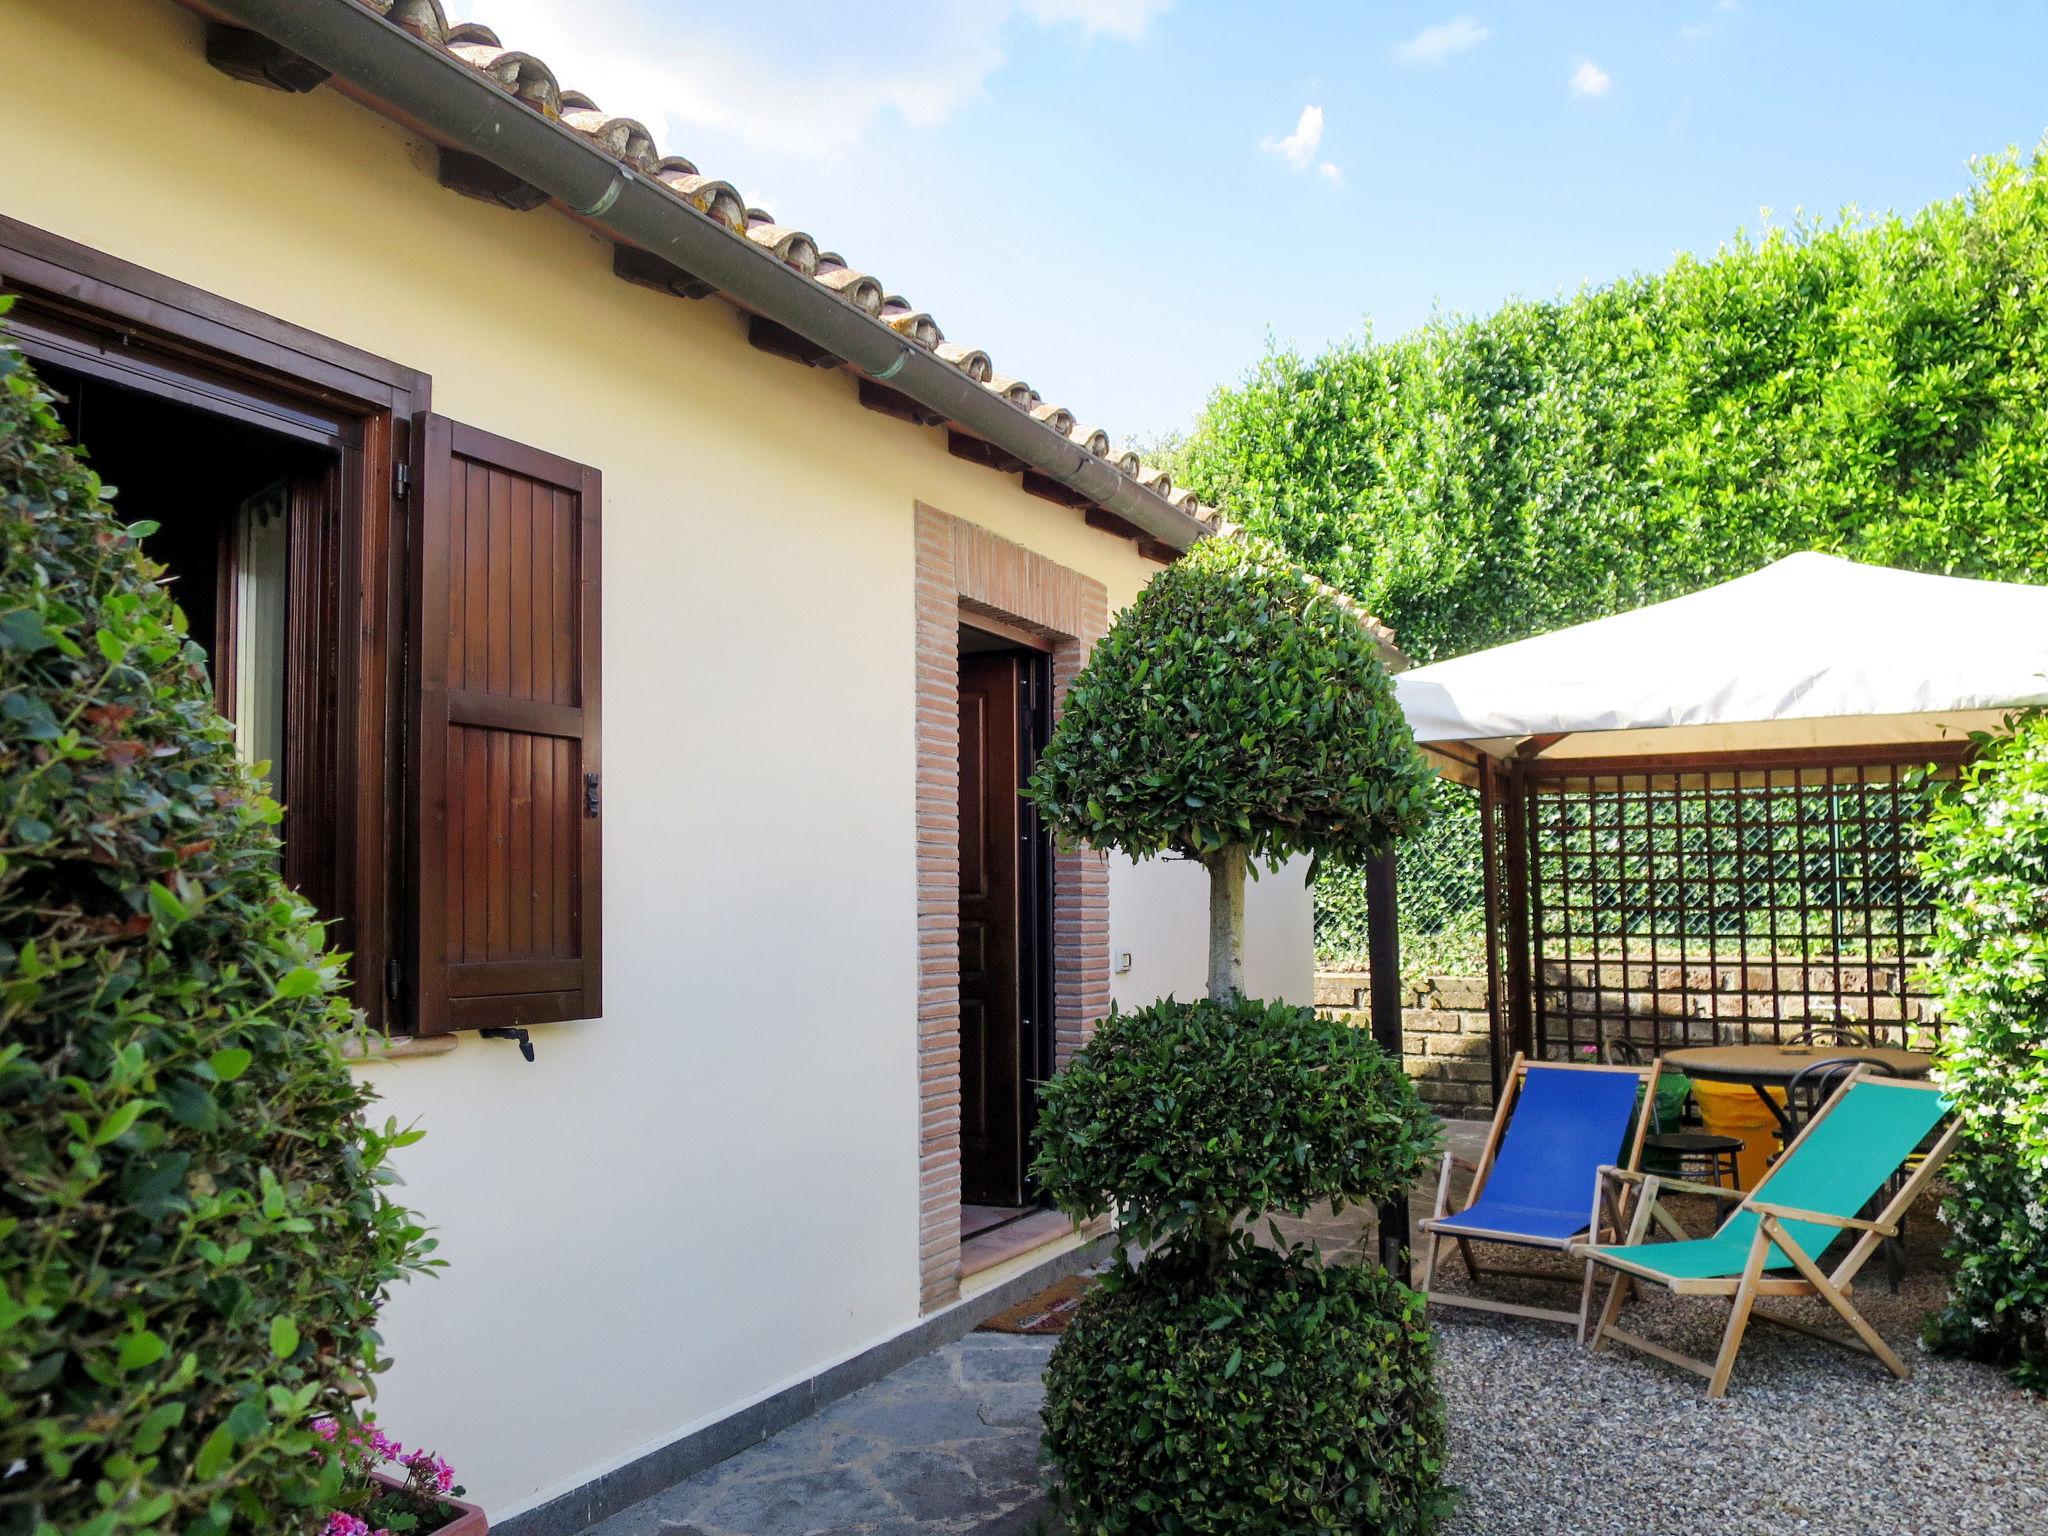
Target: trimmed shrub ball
1185, 1118
1278, 1396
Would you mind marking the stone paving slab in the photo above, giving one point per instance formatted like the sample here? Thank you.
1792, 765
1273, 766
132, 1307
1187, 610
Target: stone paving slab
946, 1446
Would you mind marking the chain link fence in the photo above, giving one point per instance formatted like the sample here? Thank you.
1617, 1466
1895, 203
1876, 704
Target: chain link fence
1441, 896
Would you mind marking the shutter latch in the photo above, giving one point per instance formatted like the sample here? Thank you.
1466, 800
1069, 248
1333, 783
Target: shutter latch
590, 794
525, 1041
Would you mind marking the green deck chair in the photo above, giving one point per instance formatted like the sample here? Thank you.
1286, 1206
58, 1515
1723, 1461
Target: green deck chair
1773, 1241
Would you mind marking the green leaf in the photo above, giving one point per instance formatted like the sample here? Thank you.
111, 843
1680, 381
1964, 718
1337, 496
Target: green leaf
302, 981
284, 1336
156, 1424
141, 1349
230, 1062
121, 1120
215, 1455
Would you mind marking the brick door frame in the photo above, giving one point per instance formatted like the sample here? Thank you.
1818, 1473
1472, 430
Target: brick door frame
963, 571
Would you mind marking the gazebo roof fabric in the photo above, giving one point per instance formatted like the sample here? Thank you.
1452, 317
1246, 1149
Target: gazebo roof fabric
1812, 651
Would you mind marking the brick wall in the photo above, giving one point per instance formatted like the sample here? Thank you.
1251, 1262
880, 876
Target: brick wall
1448, 1046
1444, 1029
964, 570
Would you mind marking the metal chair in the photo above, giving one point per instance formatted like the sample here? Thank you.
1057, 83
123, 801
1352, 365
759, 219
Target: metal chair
1698, 1155
1811, 1087
1814, 1084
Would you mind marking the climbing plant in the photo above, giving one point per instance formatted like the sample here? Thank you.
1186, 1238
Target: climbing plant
1985, 851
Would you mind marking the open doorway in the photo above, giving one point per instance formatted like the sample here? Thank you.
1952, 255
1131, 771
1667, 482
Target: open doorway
1006, 1005
245, 530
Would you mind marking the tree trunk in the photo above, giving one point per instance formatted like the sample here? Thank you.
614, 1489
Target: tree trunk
1227, 868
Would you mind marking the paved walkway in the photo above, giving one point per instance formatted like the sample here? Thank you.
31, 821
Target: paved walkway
946, 1446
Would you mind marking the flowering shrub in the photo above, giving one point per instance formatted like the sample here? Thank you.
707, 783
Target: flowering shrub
410, 1496
195, 1233
1986, 853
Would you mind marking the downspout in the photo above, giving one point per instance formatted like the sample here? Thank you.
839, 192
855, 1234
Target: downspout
456, 106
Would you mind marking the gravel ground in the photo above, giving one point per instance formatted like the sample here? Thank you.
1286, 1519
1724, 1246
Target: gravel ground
1548, 1439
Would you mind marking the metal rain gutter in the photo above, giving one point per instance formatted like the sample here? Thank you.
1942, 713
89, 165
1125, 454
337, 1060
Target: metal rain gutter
459, 107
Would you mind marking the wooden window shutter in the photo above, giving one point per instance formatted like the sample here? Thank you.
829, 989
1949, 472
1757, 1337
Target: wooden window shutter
506, 745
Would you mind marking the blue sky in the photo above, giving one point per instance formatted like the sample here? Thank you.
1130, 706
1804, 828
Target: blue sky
1121, 200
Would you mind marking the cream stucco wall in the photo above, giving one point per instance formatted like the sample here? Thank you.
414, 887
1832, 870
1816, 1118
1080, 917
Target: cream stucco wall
711, 1192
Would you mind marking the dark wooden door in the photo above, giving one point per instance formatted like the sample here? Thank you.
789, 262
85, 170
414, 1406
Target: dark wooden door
1003, 970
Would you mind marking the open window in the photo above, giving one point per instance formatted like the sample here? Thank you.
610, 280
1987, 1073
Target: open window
399, 614
245, 530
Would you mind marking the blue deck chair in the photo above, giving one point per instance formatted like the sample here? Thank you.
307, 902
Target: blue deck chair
1773, 1241
1537, 1183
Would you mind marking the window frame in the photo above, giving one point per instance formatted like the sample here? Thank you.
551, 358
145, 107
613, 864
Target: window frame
110, 319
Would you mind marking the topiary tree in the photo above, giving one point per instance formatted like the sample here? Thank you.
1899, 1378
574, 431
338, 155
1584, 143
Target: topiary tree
194, 1234
1985, 852
1236, 712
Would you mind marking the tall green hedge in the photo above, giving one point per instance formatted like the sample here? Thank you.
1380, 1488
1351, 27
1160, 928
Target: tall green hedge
194, 1230
1877, 388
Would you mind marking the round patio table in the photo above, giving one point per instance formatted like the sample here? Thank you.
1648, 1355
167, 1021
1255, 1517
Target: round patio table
1765, 1067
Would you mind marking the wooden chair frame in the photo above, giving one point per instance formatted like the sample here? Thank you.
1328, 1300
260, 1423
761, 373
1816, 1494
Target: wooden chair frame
1744, 1290
1441, 1226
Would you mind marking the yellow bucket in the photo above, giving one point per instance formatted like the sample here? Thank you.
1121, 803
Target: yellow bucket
1733, 1109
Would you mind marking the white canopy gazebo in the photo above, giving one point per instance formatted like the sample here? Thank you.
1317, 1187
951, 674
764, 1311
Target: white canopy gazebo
1697, 813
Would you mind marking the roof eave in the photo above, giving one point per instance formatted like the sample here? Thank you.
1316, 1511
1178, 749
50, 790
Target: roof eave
389, 69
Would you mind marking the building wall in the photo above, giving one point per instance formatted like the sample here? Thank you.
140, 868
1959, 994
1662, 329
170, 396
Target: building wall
711, 1192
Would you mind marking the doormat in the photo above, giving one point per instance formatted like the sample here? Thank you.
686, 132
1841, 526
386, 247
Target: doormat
1048, 1312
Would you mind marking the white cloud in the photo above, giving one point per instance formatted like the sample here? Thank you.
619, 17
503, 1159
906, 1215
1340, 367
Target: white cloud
1299, 148
1331, 173
1119, 18
757, 72
1432, 45
1699, 31
1589, 79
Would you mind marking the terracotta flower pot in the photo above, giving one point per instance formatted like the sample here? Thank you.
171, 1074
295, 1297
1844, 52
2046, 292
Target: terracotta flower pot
469, 1520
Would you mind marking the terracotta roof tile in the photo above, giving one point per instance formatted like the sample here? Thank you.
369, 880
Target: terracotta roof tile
1058, 417
857, 288
718, 200
792, 247
1016, 391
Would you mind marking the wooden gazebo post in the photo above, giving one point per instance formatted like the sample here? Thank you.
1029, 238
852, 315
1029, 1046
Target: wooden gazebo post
1383, 954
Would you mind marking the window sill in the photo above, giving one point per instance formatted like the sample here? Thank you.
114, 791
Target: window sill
367, 1050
